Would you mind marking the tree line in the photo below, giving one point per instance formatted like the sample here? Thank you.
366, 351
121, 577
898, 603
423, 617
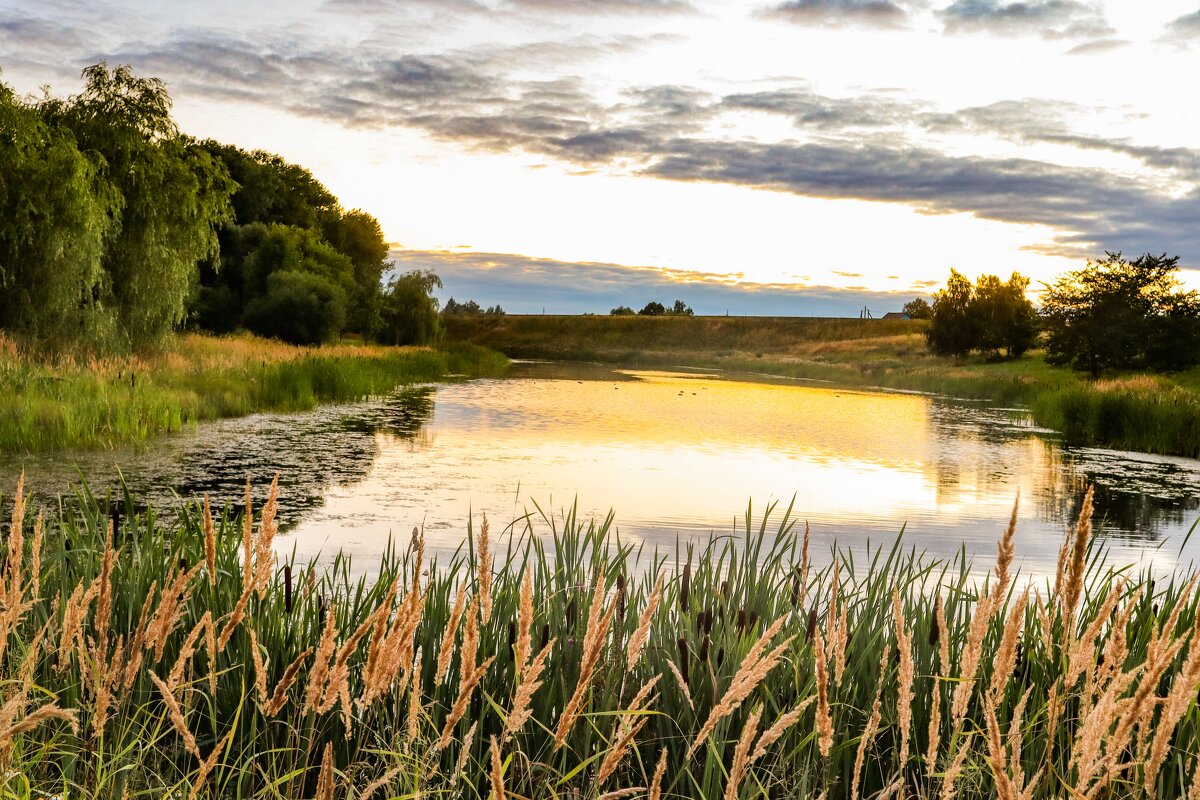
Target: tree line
120, 229
1112, 313
655, 309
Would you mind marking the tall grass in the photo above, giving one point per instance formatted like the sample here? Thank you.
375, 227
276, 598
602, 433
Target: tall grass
141, 660
100, 402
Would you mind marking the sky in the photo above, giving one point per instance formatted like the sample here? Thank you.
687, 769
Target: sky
808, 157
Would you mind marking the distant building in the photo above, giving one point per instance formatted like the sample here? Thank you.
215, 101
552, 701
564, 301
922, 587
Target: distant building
895, 315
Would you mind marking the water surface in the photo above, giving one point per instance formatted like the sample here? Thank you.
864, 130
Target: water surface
674, 455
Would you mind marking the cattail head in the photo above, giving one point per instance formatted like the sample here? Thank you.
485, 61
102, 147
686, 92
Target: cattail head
685, 585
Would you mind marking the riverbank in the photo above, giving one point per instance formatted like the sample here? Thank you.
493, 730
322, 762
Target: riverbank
68, 402
181, 660
1149, 413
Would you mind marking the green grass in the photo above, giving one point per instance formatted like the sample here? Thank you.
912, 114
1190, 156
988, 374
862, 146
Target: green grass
719, 599
1159, 414
50, 404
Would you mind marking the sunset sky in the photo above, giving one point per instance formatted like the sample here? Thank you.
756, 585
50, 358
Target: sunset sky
773, 157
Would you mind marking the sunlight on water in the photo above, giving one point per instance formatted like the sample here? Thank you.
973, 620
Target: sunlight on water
674, 455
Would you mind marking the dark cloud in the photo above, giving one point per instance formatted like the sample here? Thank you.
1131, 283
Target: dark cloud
1188, 25
843, 13
1051, 19
810, 110
522, 284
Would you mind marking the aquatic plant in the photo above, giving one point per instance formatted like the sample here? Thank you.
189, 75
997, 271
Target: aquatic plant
139, 659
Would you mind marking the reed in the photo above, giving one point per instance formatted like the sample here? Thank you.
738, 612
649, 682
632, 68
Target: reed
395, 685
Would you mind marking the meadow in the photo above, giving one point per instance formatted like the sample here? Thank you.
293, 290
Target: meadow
1150, 413
50, 402
553, 660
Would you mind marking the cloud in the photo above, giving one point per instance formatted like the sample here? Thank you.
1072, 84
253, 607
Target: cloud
843, 13
605, 6
1187, 26
524, 284
1051, 19
1098, 46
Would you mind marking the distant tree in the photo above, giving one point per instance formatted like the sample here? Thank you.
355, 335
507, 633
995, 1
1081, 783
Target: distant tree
172, 196
918, 308
1005, 317
410, 312
1119, 314
680, 309
953, 330
653, 309
622, 311
494, 311
357, 235
298, 307
471, 308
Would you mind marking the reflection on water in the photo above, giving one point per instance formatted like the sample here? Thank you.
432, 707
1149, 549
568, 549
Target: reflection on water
674, 454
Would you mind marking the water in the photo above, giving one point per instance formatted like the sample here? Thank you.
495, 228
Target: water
674, 455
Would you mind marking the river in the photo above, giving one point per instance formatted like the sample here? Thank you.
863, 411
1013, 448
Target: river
674, 455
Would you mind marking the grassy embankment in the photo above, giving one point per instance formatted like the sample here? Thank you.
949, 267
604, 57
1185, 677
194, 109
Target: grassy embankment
49, 403
184, 662
1158, 414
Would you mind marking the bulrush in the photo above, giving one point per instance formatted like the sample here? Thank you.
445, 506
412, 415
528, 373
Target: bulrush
755, 667
630, 723
594, 637
642, 633
485, 574
938, 635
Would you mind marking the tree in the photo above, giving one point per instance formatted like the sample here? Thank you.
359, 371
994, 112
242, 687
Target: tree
653, 309
1005, 317
298, 307
622, 311
1119, 314
953, 329
173, 196
680, 309
410, 312
918, 308
57, 213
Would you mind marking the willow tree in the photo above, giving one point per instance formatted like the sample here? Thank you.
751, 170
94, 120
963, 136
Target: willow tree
56, 215
173, 195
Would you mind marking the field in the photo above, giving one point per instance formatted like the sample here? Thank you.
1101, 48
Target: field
49, 403
1157, 414
145, 661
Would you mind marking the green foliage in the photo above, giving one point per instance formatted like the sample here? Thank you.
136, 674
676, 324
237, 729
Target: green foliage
990, 316
298, 307
57, 215
918, 308
653, 309
173, 196
622, 311
410, 311
1119, 314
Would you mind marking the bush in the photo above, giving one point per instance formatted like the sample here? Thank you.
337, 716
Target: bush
298, 307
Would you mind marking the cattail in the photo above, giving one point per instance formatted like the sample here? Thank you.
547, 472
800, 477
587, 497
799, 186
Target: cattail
872, 727
754, 669
904, 697
325, 777
811, 627
593, 643
1005, 550
741, 755
287, 589
210, 545
656, 781
497, 776
824, 721
176, 714
485, 574
638, 641
446, 648
682, 644
685, 585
